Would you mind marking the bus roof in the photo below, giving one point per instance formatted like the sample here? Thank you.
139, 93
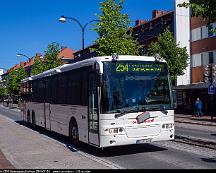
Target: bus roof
87, 62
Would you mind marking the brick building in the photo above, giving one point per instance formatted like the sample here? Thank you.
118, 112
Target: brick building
66, 55
203, 52
203, 47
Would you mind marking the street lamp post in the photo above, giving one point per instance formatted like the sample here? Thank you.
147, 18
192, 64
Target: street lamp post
29, 69
20, 54
63, 19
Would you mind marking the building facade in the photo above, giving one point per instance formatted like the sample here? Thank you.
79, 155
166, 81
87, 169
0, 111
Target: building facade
203, 47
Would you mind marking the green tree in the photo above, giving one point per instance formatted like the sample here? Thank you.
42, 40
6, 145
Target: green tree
175, 56
38, 66
3, 91
204, 8
113, 31
14, 81
51, 56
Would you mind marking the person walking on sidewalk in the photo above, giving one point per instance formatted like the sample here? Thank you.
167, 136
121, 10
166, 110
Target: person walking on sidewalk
198, 106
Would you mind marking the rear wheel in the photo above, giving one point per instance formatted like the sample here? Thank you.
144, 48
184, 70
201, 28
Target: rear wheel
74, 133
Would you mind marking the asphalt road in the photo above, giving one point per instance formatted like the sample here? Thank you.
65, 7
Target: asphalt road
203, 132
16, 116
157, 155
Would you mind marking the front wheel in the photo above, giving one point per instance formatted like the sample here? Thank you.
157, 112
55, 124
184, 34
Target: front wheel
74, 134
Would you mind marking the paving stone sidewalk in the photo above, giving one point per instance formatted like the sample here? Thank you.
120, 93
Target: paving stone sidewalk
28, 149
4, 163
204, 120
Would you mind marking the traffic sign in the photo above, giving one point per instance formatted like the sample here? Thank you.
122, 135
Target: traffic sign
211, 89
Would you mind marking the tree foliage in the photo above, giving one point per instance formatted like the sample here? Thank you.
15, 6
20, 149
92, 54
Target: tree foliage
113, 30
203, 8
175, 56
3, 91
14, 80
51, 56
38, 66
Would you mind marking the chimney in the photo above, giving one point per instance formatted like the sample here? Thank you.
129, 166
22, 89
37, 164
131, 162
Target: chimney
38, 55
63, 47
22, 64
158, 13
140, 22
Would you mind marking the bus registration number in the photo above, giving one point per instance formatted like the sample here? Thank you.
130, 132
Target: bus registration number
141, 141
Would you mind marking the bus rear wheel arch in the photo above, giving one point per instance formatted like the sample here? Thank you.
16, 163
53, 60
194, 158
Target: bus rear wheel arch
74, 132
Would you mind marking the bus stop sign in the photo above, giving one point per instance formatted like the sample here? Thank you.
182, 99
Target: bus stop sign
211, 89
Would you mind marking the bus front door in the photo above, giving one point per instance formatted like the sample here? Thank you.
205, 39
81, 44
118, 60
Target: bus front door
93, 120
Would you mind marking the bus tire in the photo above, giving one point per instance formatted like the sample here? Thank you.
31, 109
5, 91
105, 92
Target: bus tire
33, 119
74, 133
28, 116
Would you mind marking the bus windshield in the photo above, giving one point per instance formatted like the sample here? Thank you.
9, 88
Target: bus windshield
131, 86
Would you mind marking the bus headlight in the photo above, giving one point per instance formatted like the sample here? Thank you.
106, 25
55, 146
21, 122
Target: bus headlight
168, 126
116, 130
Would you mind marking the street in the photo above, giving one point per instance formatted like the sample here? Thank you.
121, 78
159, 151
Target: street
204, 132
28, 148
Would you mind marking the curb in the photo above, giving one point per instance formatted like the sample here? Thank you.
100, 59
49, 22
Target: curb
196, 123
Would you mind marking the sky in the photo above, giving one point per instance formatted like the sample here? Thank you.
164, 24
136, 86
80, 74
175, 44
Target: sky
28, 26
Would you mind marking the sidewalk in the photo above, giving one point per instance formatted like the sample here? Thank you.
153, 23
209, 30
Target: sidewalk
24, 148
4, 163
204, 120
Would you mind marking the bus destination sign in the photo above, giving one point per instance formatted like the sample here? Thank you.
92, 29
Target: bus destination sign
138, 67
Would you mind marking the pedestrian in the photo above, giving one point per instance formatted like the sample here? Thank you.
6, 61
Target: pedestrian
198, 106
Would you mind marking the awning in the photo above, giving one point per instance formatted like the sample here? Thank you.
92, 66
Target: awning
200, 85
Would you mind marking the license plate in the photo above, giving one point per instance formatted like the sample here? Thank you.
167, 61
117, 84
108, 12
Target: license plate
141, 141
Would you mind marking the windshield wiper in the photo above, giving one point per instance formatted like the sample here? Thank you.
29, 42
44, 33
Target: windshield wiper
127, 110
131, 110
160, 108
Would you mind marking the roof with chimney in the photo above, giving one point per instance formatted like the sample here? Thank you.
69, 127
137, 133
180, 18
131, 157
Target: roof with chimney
156, 14
65, 53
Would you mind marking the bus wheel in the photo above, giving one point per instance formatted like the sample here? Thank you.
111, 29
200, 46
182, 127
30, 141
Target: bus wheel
74, 133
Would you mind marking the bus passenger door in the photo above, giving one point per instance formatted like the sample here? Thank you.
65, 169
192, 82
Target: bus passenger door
93, 120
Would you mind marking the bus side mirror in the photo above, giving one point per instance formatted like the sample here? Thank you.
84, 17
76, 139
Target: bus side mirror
174, 99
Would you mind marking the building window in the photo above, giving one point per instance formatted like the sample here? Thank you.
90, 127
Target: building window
203, 32
196, 60
203, 58
210, 27
214, 57
211, 57
196, 34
